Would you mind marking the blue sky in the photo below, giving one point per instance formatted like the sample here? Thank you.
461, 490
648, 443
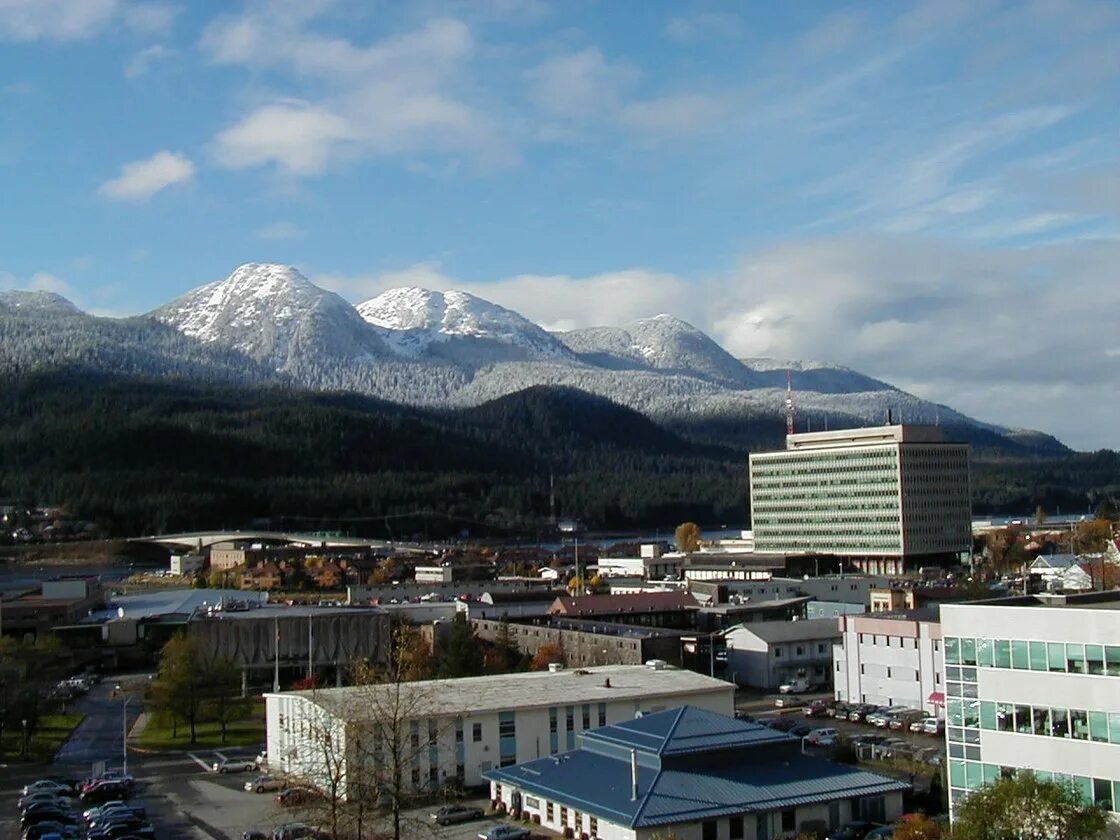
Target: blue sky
926, 192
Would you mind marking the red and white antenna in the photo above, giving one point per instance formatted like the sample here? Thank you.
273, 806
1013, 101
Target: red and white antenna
789, 403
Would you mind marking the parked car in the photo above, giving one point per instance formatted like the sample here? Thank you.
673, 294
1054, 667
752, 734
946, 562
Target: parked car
903, 720
839, 709
265, 783
504, 832
105, 790
868, 739
783, 724
860, 713
449, 814
856, 830
883, 832
295, 796
794, 686
818, 708
298, 831
114, 805
825, 736
919, 724
40, 797
42, 829
46, 786
788, 701
46, 814
800, 730
234, 765
934, 726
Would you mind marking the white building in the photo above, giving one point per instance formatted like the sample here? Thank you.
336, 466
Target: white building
878, 496
767, 654
652, 565
459, 729
434, 574
187, 564
890, 661
1034, 683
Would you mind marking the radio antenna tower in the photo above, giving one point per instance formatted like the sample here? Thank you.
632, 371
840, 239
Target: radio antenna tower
789, 403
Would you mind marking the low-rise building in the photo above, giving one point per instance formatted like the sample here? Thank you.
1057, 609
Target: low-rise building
588, 641
768, 654
891, 660
1033, 683
185, 565
653, 564
443, 573
61, 601
692, 774
653, 609
463, 728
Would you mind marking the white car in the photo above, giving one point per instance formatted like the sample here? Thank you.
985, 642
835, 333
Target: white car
46, 786
234, 765
823, 737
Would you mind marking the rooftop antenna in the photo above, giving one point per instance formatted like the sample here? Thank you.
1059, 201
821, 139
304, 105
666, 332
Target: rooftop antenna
789, 403
890, 417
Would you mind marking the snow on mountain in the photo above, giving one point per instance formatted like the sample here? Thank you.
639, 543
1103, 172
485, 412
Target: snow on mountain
661, 343
274, 314
456, 326
41, 302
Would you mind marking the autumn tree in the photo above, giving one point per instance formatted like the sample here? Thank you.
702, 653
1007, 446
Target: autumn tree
688, 536
918, 827
547, 654
1025, 807
179, 688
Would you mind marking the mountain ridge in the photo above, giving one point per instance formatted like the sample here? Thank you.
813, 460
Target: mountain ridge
454, 350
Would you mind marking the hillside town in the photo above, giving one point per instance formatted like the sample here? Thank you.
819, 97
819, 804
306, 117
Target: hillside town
712, 688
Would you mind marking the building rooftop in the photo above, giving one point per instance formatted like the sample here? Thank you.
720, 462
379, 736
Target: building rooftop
791, 631
691, 765
518, 691
166, 602
611, 628
862, 437
761, 605
639, 602
1109, 600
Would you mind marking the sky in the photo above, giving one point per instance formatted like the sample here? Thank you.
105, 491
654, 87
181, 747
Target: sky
927, 192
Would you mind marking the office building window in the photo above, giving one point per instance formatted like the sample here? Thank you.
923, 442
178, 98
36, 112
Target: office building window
476, 732
735, 829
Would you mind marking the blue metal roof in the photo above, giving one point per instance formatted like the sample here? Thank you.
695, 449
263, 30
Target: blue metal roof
683, 731
765, 777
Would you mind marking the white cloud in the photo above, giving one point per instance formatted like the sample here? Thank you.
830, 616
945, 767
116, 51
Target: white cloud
40, 281
580, 85
397, 96
143, 60
281, 231
142, 179
76, 20
297, 136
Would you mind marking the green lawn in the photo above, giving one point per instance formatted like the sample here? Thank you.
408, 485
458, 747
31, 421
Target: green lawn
52, 732
247, 732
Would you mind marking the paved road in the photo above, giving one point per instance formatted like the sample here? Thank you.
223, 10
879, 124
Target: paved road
100, 737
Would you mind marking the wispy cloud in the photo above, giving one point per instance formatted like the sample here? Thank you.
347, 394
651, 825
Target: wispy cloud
142, 179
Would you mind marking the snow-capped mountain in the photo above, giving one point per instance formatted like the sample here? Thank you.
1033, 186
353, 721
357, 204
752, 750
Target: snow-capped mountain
456, 327
445, 349
662, 343
274, 314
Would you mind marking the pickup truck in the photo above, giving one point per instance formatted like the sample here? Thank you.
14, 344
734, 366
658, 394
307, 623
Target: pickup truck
797, 686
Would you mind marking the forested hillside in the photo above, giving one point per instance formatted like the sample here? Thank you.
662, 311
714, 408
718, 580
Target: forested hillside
142, 456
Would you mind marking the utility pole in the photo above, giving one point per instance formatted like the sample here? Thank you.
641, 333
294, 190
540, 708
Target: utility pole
276, 657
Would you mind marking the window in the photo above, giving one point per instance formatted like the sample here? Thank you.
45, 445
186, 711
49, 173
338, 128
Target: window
476, 732
820, 648
1041, 720
1002, 653
735, 829
1079, 724
1024, 721
586, 716
709, 830
570, 717
1075, 659
458, 730
414, 734
1056, 656
552, 721
548, 812
602, 714
1020, 656
1038, 656
1094, 659
433, 733
800, 650
789, 819
415, 777
507, 727
1059, 723
1098, 726
1112, 660
777, 652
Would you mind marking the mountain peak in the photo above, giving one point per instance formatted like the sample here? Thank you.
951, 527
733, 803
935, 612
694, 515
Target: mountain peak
417, 321
37, 301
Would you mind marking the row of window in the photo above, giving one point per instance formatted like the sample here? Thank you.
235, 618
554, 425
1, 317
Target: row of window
1017, 654
970, 775
1055, 722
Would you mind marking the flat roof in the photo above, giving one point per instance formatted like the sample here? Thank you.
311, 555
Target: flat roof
500, 692
1109, 600
159, 602
791, 631
758, 606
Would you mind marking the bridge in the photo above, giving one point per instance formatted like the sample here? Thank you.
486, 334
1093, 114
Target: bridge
198, 540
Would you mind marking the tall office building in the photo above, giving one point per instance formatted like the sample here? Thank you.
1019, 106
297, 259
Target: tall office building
1033, 683
885, 498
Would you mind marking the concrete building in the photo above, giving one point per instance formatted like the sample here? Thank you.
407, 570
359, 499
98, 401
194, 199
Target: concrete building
891, 660
472, 725
653, 564
883, 498
767, 654
590, 642
434, 574
723, 616
652, 609
38, 611
1034, 683
186, 564
691, 774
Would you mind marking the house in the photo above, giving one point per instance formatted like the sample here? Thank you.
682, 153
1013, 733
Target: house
327, 575
1048, 569
891, 660
691, 774
474, 724
264, 577
767, 654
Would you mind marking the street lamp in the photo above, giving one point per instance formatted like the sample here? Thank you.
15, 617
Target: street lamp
124, 735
